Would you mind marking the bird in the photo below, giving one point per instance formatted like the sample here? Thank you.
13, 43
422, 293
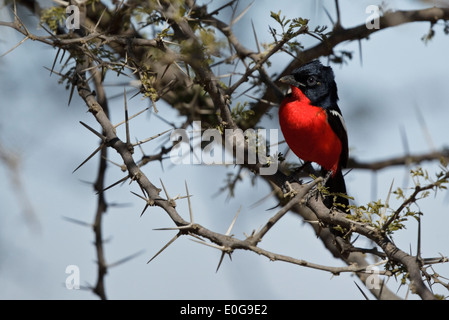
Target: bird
313, 126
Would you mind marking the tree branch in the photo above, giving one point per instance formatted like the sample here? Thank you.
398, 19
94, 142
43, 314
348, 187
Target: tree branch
393, 253
399, 161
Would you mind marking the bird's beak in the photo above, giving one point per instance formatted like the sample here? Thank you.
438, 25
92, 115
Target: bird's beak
291, 81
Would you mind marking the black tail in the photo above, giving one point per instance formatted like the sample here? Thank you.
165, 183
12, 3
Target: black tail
336, 184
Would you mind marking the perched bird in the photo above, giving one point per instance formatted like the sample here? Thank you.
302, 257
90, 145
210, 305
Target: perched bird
313, 125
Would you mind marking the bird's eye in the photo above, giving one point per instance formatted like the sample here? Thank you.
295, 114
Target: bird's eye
311, 81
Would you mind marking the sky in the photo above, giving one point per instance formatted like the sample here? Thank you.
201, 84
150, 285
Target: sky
399, 83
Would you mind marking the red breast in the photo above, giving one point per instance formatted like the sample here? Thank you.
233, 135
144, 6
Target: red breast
307, 132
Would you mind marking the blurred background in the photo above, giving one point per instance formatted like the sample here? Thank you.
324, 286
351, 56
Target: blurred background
394, 97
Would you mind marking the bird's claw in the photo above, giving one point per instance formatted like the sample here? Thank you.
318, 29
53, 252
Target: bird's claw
288, 189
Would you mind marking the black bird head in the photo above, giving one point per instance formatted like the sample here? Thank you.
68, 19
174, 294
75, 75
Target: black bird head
316, 82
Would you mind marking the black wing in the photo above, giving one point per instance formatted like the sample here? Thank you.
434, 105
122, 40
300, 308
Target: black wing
337, 123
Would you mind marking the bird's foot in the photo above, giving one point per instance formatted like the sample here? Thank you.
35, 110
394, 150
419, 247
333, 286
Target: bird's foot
288, 190
327, 176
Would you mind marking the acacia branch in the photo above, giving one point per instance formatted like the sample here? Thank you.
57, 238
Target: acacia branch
102, 206
413, 197
399, 161
393, 253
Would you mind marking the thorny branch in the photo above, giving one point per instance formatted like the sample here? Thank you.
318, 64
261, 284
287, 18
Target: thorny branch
99, 288
217, 99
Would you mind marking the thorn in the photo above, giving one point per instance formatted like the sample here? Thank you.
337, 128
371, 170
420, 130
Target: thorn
221, 260
119, 205
255, 36
126, 259
57, 73
99, 19
99, 135
187, 226
180, 68
424, 128
406, 153
262, 100
62, 57
223, 249
360, 53
166, 68
244, 92
208, 244
165, 247
230, 3
337, 8
119, 6
199, 238
135, 95
187, 70
418, 250
24, 39
173, 203
233, 222
138, 195
114, 184
169, 86
133, 178
329, 16
121, 166
165, 190
18, 21
169, 199
76, 221
164, 120
71, 94
89, 157
184, 227
374, 185
235, 20
15, 12
128, 141
54, 61
149, 202
381, 289
363, 293
260, 201
154, 106
151, 138
387, 201
87, 182
141, 149
404, 140
133, 116
190, 205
